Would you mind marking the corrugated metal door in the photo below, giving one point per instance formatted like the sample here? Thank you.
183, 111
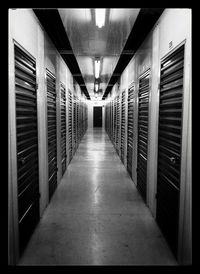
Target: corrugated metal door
117, 125
115, 121
63, 127
111, 110
70, 125
123, 126
27, 145
130, 130
52, 134
143, 108
74, 124
169, 145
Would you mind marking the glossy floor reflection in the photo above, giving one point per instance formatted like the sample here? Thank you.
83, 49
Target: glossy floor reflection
96, 216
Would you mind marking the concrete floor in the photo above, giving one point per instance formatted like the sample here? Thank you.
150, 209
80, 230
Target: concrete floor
96, 216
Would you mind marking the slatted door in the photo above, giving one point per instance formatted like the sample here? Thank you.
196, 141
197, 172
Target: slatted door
77, 121
130, 130
123, 126
118, 124
27, 145
52, 138
169, 145
74, 124
115, 122
63, 128
143, 108
70, 125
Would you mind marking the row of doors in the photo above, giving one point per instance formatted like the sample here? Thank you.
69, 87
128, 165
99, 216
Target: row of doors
27, 140
169, 140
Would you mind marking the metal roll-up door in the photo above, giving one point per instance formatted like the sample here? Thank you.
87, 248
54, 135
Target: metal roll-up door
143, 108
74, 124
52, 132
70, 125
27, 145
123, 126
63, 127
169, 145
130, 130
77, 123
115, 121
118, 124
111, 121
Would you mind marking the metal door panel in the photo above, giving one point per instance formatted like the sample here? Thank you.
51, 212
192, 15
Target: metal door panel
63, 128
130, 129
52, 132
123, 126
70, 125
143, 109
27, 145
169, 146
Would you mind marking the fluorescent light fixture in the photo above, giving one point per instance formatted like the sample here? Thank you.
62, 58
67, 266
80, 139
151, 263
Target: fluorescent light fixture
97, 68
96, 87
100, 15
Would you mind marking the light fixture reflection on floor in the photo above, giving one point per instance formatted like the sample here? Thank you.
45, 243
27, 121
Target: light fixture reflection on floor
100, 15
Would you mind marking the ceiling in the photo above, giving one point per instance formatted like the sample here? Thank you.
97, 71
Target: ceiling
88, 41
79, 41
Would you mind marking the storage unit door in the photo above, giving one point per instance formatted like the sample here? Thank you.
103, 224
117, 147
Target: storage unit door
63, 128
27, 145
70, 125
169, 145
123, 126
52, 138
143, 106
130, 131
115, 120
74, 124
118, 124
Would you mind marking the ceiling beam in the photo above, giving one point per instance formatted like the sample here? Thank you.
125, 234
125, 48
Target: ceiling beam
145, 21
52, 23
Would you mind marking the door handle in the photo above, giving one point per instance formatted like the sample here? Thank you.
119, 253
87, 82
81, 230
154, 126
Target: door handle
173, 160
22, 161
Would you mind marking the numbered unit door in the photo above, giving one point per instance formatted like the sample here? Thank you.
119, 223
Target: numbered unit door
74, 124
70, 125
143, 107
123, 126
169, 145
27, 145
63, 128
52, 136
130, 130
118, 124
115, 120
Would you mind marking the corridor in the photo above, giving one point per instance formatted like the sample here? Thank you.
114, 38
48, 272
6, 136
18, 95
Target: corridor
97, 216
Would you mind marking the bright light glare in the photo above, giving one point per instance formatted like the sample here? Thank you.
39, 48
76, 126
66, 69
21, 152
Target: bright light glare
100, 15
97, 69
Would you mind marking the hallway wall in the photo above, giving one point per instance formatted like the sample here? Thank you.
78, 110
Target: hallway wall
26, 31
171, 30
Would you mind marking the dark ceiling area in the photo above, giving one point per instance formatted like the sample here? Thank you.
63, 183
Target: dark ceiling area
53, 25
145, 21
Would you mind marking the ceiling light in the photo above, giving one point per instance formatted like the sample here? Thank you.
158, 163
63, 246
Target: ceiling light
100, 15
97, 68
